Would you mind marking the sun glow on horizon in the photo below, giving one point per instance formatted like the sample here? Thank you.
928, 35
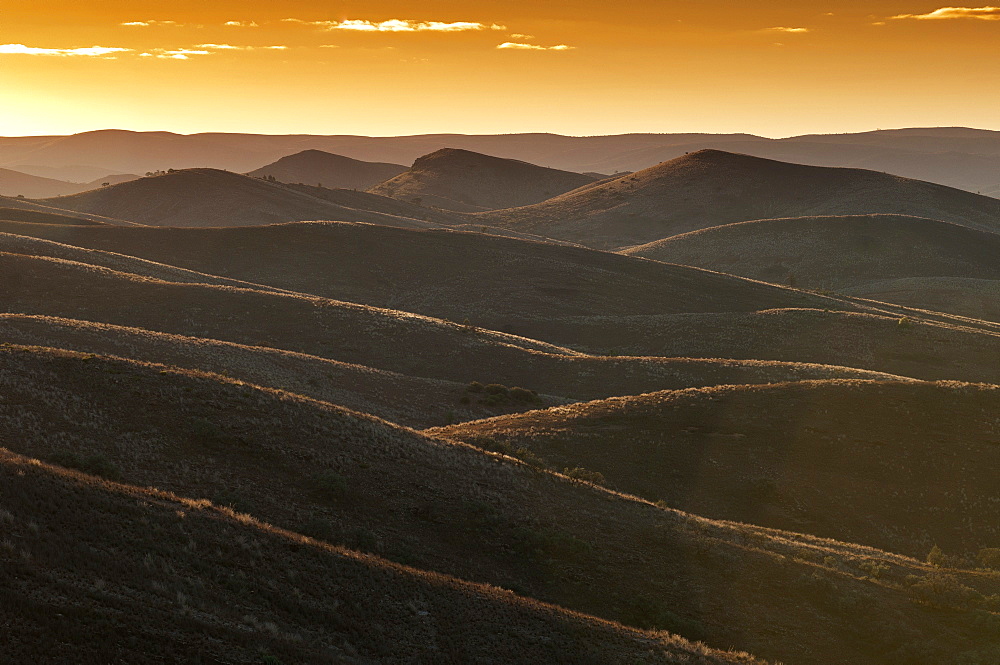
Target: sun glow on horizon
394, 68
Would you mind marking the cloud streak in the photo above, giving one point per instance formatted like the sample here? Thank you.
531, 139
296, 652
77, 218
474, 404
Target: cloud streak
230, 47
89, 51
150, 22
988, 13
241, 24
520, 46
398, 25
787, 30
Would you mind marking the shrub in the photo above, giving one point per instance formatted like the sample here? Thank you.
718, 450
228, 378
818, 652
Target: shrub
943, 590
495, 389
874, 569
524, 395
579, 473
936, 557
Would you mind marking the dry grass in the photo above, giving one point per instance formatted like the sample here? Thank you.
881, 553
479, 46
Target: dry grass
710, 187
403, 495
898, 466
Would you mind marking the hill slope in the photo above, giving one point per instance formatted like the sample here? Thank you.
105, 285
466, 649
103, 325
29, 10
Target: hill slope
313, 167
494, 282
389, 340
209, 197
898, 466
115, 573
354, 480
461, 180
834, 252
710, 188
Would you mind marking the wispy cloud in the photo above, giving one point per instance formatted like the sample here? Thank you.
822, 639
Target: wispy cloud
230, 47
92, 51
518, 35
175, 54
520, 46
398, 25
241, 24
151, 22
787, 30
982, 13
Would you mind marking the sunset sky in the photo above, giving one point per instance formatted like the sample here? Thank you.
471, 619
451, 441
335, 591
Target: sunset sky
572, 67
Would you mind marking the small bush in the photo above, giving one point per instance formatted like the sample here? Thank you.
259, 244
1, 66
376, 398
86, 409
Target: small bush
495, 389
936, 557
524, 395
579, 473
475, 387
874, 569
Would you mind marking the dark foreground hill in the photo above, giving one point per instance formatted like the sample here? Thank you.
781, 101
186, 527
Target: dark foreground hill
467, 181
899, 466
116, 573
349, 479
210, 197
710, 188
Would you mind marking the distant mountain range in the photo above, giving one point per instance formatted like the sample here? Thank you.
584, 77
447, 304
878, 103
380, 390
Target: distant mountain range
958, 157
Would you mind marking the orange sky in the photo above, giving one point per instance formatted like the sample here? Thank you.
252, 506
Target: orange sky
387, 68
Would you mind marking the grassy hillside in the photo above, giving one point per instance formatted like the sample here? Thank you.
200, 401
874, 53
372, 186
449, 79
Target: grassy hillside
315, 167
899, 466
114, 573
209, 197
465, 181
709, 188
350, 479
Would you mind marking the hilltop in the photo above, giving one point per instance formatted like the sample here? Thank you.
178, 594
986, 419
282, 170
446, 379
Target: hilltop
467, 181
958, 157
710, 188
210, 197
315, 167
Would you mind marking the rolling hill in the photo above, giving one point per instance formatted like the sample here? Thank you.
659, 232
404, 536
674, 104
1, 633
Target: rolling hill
957, 157
210, 197
331, 171
710, 188
393, 341
494, 282
118, 573
467, 181
834, 252
347, 479
898, 466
